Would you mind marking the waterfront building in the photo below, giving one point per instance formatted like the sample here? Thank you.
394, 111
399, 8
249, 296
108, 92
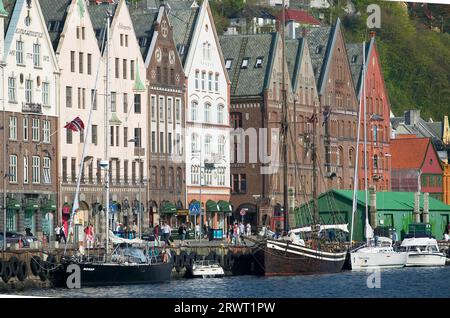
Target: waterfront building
377, 116
29, 119
416, 166
166, 116
394, 210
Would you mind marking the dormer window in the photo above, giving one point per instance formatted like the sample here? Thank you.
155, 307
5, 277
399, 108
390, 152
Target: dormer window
319, 49
228, 63
259, 61
245, 63
354, 57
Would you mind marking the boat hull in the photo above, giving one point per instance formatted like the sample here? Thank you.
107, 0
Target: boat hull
425, 259
388, 259
282, 258
114, 274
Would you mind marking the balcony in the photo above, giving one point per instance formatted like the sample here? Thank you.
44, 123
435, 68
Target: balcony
33, 108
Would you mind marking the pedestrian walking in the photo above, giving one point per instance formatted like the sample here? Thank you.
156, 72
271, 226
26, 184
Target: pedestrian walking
235, 234
62, 234
57, 233
241, 231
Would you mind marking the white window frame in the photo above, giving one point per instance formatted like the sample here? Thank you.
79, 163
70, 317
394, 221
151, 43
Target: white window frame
12, 168
194, 111
19, 52
46, 131
153, 102
36, 170
208, 141
46, 93
170, 109
35, 130
26, 130
29, 91
12, 128
197, 75
12, 89
207, 113
221, 145
36, 55
216, 80
161, 108
25, 169
220, 114
47, 172
178, 110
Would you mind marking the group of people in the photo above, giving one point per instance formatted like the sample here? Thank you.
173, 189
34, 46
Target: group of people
237, 232
127, 232
60, 233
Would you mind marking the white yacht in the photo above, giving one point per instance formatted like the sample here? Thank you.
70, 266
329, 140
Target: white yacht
423, 251
206, 269
377, 253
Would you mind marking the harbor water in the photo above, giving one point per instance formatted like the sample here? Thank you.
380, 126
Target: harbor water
404, 283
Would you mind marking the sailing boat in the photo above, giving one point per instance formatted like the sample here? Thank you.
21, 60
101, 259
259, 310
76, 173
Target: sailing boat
377, 252
126, 264
304, 250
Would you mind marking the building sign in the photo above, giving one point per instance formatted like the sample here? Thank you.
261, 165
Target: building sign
124, 27
29, 33
182, 212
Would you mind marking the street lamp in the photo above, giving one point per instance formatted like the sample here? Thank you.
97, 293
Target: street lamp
137, 143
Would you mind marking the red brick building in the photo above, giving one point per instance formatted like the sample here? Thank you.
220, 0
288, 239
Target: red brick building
377, 116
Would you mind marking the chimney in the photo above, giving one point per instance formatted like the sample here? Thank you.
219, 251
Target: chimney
372, 34
290, 26
373, 207
426, 208
416, 212
412, 116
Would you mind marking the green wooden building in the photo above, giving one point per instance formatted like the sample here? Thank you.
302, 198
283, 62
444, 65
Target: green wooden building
393, 209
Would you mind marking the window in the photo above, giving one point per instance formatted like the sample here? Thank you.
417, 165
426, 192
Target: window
36, 55
203, 80
153, 178
162, 178
126, 40
221, 146
208, 145
89, 63
169, 109
47, 170
12, 96
161, 109
68, 136
170, 178
178, 110
25, 169
137, 137
36, 169
99, 172
79, 97
125, 171
117, 136
117, 67
64, 169
161, 142
220, 113
83, 32
158, 74
72, 61
217, 82
25, 128
125, 136
242, 183
154, 141
125, 72
258, 63
137, 103
194, 143
169, 143
94, 99
111, 136
12, 168
121, 39
29, 91
207, 112
46, 131
94, 134
178, 144
236, 120
19, 52
68, 96
375, 134
78, 32
45, 93
194, 107
179, 178
153, 107
197, 74
125, 103
172, 76
131, 69
245, 62
113, 102
210, 80
12, 128
228, 64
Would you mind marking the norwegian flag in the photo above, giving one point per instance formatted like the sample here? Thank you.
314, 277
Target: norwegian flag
75, 125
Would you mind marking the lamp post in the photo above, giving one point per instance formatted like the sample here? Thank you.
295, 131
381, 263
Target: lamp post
137, 142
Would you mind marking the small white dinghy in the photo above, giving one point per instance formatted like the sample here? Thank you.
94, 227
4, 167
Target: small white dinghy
206, 269
423, 251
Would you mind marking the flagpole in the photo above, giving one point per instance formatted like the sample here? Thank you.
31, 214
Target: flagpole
75, 205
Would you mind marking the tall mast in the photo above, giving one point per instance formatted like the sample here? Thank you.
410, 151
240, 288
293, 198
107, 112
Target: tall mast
365, 141
314, 170
107, 135
284, 126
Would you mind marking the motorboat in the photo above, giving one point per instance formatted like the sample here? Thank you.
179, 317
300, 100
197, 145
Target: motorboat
378, 252
423, 251
206, 269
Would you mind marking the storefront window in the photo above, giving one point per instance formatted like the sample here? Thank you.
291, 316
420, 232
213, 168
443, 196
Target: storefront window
30, 220
11, 220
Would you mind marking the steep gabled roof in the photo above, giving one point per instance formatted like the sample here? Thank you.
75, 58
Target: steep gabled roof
144, 25
250, 81
408, 153
98, 14
294, 53
355, 60
55, 14
8, 5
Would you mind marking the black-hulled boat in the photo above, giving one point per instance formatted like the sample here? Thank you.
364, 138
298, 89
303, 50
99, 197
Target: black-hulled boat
128, 266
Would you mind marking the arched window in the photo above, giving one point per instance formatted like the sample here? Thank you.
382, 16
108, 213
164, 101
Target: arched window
208, 139
170, 178
221, 145
154, 175
375, 163
340, 156
194, 143
220, 113
194, 109
179, 179
351, 156
207, 113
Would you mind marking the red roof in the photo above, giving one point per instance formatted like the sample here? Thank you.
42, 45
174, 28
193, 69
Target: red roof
299, 16
408, 153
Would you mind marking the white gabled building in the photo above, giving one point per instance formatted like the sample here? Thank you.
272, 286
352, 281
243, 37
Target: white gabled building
29, 110
207, 117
